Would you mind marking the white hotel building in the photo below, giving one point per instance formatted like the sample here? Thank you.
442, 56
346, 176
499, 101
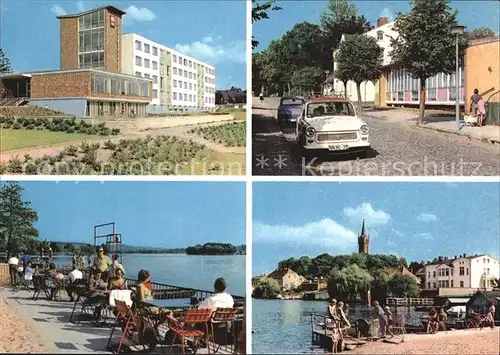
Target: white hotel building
475, 271
180, 82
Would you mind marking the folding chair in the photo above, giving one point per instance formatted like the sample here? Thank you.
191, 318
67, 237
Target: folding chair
40, 285
226, 340
82, 300
184, 330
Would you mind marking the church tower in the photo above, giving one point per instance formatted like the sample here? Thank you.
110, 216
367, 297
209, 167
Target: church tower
363, 241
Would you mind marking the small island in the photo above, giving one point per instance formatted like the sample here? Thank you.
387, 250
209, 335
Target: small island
216, 249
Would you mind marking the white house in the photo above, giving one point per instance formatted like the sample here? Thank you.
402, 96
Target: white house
383, 33
477, 271
179, 81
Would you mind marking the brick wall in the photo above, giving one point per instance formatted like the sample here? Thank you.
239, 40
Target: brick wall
112, 38
61, 85
69, 43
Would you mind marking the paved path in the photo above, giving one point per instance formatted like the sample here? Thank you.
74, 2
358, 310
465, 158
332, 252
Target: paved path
398, 150
179, 131
51, 321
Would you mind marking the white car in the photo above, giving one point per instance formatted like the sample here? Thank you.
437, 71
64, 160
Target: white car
331, 124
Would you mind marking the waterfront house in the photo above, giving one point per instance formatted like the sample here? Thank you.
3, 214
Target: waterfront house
316, 284
461, 275
402, 270
287, 278
480, 300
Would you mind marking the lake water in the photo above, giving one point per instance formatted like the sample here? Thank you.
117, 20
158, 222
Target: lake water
192, 271
284, 326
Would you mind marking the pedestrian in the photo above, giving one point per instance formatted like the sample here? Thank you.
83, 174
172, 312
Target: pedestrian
474, 99
13, 265
382, 318
481, 111
490, 317
389, 321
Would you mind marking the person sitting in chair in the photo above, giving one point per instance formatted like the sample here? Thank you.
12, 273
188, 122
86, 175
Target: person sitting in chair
97, 289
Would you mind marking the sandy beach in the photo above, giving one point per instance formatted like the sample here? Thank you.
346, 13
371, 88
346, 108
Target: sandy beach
483, 342
18, 335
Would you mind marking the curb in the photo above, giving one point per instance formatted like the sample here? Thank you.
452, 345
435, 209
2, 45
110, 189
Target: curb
468, 135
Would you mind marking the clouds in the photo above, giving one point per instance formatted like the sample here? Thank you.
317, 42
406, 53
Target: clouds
325, 232
139, 14
427, 217
373, 217
213, 50
58, 10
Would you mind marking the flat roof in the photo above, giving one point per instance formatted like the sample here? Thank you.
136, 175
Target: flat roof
121, 12
15, 76
98, 71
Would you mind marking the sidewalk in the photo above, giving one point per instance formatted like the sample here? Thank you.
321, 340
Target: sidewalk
445, 124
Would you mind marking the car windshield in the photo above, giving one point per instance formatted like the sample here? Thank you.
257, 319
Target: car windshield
341, 108
291, 102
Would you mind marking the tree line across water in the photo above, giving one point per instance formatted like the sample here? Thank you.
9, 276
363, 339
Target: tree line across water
350, 277
300, 60
18, 233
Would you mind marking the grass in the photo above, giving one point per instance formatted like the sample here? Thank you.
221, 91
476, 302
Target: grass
12, 139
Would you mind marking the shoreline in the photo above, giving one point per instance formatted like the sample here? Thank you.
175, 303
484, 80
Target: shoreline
471, 341
17, 334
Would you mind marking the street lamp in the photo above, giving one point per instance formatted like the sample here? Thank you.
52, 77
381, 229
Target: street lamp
457, 31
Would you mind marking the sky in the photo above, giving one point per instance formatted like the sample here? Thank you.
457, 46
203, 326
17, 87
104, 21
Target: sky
472, 14
211, 31
417, 221
152, 214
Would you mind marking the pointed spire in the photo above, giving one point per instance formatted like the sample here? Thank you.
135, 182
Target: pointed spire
363, 228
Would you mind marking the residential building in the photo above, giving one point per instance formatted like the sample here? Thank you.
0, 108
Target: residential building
180, 82
463, 272
287, 278
396, 87
316, 284
402, 270
257, 279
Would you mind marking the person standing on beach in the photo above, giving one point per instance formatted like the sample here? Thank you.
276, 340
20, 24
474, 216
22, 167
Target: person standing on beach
382, 318
389, 321
13, 265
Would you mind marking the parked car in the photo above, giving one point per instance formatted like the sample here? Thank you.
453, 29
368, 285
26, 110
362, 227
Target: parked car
290, 109
331, 124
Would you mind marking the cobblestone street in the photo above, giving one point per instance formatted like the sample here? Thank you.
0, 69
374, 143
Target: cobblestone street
398, 150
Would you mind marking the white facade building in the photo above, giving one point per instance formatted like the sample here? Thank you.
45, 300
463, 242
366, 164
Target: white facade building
383, 33
180, 82
477, 271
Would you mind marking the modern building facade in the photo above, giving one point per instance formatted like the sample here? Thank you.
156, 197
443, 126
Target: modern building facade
180, 82
469, 272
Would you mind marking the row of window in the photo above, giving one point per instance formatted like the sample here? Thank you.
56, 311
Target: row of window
146, 48
191, 98
189, 63
119, 86
91, 40
91, 60
147, 63
448, 272
93, 20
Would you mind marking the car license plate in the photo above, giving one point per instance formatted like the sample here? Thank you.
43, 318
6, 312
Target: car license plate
338, 147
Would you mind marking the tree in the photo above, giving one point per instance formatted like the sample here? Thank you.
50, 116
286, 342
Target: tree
404, 286
380, 284
426, 46
480, 33
360, 59
415, 266
267, 289
350, 282
17, 219
307, 79
260, 12
4, 63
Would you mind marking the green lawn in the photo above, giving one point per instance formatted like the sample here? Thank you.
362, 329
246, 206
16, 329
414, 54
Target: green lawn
12, 139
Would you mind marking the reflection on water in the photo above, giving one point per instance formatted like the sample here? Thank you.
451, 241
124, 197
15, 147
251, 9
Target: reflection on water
193, 271
284, 326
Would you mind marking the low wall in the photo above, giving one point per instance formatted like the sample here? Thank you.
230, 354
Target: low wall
28, 111
75, 107
150, 123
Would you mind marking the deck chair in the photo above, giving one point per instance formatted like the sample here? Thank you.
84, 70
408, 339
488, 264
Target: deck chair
223, 332
39, 284
470, 120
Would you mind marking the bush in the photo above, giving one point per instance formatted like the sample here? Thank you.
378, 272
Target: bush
109, 145
71, 150
115, 132
15, 166
17, 126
